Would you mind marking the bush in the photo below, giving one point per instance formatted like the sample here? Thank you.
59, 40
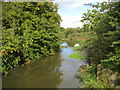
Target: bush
30, 30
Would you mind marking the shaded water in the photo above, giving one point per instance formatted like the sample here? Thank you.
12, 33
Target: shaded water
50, 72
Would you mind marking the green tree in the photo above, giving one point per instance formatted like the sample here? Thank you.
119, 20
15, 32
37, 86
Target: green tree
103, 23
30, 30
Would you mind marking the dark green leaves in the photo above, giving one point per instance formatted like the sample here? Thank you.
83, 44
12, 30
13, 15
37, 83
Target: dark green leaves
30, 30
103, 22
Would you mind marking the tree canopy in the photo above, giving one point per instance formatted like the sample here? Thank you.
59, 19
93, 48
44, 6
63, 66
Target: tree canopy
104, 23
29, 30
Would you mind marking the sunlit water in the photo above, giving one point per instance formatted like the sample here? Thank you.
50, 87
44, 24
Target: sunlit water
50, 72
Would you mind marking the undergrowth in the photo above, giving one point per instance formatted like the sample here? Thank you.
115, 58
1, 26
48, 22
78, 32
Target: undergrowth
89, 78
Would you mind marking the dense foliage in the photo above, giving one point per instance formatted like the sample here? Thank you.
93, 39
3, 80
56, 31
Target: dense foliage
0, 37
70, 35
103, 47
103, 23
30, 30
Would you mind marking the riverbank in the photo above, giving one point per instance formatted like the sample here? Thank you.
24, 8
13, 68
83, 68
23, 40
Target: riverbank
105, 77
81, 39
95, 76
88, 77
92, 75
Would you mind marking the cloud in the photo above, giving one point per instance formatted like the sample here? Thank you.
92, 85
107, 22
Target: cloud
68, 7
72, 21
81, 3
76, 3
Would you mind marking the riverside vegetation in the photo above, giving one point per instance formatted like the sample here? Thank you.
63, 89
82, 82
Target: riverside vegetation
29, 30
99, 39
73, 36
103, 49
32, 30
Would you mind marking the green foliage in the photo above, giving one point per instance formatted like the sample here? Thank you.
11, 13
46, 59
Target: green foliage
103, 23
30, 30
91, 82
75, 35
111, 65
0, 37
68, 32
69, 36
90, 79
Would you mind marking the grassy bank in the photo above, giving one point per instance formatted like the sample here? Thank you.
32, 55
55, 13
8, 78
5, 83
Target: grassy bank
77, 55
80, 53
80, 38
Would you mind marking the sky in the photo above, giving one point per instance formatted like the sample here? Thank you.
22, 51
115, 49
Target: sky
71, 11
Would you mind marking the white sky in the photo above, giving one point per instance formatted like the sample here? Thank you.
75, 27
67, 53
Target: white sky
71, 11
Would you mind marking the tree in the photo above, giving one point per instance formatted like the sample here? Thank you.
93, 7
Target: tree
103, 23
30, 30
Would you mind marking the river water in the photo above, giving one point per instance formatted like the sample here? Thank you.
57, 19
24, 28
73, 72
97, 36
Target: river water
56, 71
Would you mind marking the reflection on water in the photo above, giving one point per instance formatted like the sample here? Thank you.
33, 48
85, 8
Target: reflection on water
69, 67
39, 74
50, 72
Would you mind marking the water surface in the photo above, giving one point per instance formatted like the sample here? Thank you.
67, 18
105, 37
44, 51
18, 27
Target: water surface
56, 71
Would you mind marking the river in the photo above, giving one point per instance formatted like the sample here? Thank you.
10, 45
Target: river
56, 71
